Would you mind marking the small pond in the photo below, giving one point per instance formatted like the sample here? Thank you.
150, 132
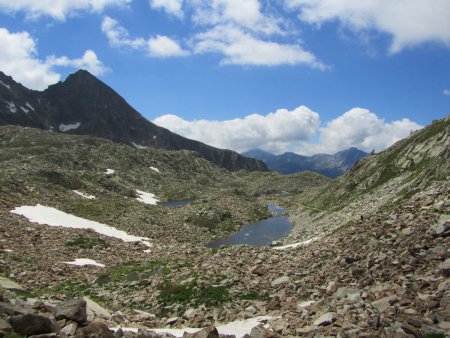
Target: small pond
175, 204
261, 233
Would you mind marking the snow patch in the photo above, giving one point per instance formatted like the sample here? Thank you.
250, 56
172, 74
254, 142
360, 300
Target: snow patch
7, 250
11, 106
239, 328
30, 106
155, 169
6, 85
67, 127
25, 110
296, 245
109, 172
84, 262
138, 146
89, 197
147, 197
53, 217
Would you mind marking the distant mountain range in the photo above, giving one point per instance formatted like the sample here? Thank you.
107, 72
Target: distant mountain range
328, 165
84, 105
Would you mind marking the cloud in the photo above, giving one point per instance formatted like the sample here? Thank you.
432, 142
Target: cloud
89, 61
240, 48
19, 58
294, 130
359, 128
157, 46
446, 92
172, 7
244, 13
162, 46
59, 9
409, 23
273, 131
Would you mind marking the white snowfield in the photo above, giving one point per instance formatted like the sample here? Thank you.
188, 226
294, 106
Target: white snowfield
53, 217
84, 262
89, 197
6, 85
147, 197
11, 106
67, 127
155, 169
296, 245
239, 328
109, 171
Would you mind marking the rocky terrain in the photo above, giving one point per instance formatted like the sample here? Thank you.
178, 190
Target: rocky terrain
84, 105
368, 256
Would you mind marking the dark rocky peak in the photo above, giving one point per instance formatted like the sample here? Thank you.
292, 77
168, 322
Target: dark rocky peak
82, 104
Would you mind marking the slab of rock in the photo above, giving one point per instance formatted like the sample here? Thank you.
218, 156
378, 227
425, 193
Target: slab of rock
382, 304
207, 332
95, 329
444, 268
279, 281
30, 324
95, 310
261, 332
9, 284
325, 319
69, 330
73, 309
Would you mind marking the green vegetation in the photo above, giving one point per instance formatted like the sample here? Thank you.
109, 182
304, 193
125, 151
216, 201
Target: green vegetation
86, 242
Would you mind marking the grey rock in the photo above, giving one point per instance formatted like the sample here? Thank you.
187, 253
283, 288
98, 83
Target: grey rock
30, 324
325, 319
279, 281
70, 329
102, 280
73, 309
207, 332
95, 330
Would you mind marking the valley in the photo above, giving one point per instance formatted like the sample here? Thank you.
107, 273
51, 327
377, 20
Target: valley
367, 257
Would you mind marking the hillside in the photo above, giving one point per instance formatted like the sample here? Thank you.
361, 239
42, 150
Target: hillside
328, 165
384, 274
84, 105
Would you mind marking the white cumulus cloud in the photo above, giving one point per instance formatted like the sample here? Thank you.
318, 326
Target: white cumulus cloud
241, 48
446, 92
359, 128
89, 61
408, 22
296, 130
274, 131
157, 46
173, 7
19, 58
58, 9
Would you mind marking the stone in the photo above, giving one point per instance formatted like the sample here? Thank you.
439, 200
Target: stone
190, 313
73, 309
103, 280
133, 276
9, 284
260, 332
207, 332
332, 287
343, 292
280, 281
95, 329
95, 310
444, 268
383, 304
69, 330
5, 326
274, 304
11, 309
325, 319
172, 320
30, 324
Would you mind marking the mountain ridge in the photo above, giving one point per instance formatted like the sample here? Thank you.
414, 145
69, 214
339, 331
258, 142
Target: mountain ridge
82, 104
325, 164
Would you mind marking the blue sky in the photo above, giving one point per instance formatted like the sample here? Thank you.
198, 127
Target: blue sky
306, 76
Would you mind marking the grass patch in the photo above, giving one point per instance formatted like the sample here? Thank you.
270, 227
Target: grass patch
86, 242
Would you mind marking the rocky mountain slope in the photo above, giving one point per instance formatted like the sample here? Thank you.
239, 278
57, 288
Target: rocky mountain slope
328, 165
338, 274
84, 105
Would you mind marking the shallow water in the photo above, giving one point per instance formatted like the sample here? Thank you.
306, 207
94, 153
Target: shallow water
175, 204
261, 233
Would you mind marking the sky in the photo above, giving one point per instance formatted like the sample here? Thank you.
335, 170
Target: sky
307, 76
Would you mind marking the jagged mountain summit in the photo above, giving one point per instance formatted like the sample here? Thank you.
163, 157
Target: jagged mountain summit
84, 105
328, 165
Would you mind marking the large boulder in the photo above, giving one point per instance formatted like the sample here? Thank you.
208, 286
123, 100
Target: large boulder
30, 324
73, 309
